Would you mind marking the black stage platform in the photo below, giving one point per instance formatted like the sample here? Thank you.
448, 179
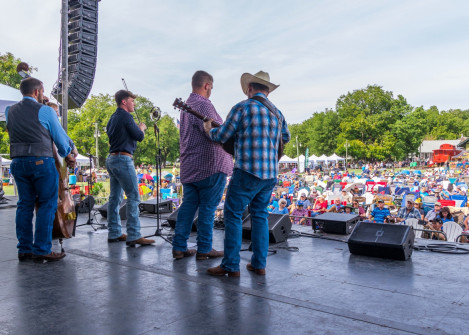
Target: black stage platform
102, 288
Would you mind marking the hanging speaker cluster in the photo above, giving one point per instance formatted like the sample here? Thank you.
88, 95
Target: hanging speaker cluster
82, 51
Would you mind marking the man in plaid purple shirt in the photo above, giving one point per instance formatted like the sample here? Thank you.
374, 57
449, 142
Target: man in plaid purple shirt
204, 169
258, 127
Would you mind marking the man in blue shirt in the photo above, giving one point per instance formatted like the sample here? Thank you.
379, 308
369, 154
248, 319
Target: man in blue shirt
33, 129
123, 135
379, 214
258, 127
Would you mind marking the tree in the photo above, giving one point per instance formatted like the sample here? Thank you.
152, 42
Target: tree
8, 74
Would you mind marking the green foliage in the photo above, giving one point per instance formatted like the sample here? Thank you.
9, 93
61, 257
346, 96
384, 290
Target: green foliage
8, 74
97, 189
99, 108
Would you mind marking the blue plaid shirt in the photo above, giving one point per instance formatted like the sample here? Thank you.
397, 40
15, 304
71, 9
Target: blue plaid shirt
257, 134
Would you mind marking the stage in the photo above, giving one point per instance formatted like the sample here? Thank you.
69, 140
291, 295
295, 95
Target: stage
102, 288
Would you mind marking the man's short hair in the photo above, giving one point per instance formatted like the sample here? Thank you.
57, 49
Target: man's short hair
259, 87
29, 85
200, 78
122, 95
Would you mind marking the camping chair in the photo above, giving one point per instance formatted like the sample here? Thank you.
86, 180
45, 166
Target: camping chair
452, 230
384, 190
369, 186
414, 223
461, 200
428, 203
402, 190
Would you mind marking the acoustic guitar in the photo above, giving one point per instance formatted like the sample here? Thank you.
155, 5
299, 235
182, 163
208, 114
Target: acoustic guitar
228, 146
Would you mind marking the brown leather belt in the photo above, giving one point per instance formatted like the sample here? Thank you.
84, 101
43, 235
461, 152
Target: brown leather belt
121, 153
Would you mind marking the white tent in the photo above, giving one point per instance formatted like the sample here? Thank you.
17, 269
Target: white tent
301, 159
5, 162
313, 158
336, 158
82, 160
286, 159
8, 97
322, 158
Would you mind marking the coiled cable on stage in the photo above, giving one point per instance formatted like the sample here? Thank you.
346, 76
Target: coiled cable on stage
446, 248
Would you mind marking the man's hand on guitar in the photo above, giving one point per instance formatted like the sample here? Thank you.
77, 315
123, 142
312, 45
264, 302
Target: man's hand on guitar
208, 126
71, 158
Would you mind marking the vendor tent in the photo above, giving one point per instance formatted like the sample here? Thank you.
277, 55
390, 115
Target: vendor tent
82, 160
8, 97
5, 162
336, 158
286, 159
322, 158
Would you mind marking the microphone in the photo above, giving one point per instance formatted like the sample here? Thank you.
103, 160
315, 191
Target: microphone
155, 114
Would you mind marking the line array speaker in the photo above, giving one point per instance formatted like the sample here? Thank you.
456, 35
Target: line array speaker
82, 51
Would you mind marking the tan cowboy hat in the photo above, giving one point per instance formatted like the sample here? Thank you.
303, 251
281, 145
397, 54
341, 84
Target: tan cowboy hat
260, 77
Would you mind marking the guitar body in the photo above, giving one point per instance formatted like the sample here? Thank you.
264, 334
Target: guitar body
65, 216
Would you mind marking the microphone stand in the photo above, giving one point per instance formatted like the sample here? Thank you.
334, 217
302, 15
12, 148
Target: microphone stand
158, 184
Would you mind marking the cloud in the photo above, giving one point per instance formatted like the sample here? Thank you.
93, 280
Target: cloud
316, 51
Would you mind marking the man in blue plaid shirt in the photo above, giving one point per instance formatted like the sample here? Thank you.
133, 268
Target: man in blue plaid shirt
257, 127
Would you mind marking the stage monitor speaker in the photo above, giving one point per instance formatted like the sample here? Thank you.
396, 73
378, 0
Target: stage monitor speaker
122, 210
336, 223
172, 219
86, 205
279, 227
149, 206
382, 240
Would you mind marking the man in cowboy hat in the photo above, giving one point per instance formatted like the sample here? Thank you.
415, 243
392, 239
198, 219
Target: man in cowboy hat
258, 127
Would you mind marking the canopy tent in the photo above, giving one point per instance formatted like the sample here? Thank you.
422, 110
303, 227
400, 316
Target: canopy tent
286, 159
336, 158
82, 160
5, 162
8, 97
313, 158
322, 158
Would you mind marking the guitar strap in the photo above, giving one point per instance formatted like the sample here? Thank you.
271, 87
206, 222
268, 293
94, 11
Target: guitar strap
270, 107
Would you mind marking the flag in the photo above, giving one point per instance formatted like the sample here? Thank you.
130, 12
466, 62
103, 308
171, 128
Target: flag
178, 124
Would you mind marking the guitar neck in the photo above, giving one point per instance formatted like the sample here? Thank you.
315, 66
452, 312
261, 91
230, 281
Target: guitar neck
195, 113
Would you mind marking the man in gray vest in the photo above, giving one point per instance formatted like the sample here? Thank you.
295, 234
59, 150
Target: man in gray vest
33, 129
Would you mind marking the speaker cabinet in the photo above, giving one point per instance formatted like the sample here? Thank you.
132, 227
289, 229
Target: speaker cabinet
336, 223
382, 240
172, 219
86, 205
122, 210
149, 206
279, 227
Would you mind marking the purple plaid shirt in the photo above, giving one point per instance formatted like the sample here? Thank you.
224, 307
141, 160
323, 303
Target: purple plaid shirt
200, 156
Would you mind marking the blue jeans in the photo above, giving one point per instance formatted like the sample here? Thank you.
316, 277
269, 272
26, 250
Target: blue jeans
204, 195
36, 178
244, 189
123, 178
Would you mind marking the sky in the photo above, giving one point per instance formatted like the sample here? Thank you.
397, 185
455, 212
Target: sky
315, 50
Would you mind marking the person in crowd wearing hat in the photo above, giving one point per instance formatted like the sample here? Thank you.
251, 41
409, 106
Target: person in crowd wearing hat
418, 206
306, 202
204, 169
380, 213
258, 128
299, 214
282, 207
432, 214
284, 195
33, 130
345, 197
273, 203
437, 226
356, 191
408, 212
348, 209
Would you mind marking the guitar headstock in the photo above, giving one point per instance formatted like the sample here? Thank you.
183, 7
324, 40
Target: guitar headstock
180, 104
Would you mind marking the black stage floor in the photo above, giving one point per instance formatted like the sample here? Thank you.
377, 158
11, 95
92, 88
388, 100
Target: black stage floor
102, 288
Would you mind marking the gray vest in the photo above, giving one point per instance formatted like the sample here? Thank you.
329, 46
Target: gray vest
28, 137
